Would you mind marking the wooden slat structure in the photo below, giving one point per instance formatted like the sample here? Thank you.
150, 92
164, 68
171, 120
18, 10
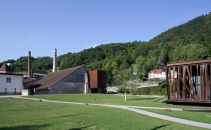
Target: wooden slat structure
189, 81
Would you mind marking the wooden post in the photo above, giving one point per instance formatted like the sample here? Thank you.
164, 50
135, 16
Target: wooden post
206, 82
189, 81
201, 84
178, 83
197, 82
184, 84
173, 83
170, 82
210, 81
167, 81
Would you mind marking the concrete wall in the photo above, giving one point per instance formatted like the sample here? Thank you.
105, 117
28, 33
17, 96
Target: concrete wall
16, 83
77, 76
63, 88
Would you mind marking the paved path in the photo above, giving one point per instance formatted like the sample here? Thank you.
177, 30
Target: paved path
134, 109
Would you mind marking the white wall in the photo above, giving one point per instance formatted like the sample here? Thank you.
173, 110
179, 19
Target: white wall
25, 92
159, 76
16, 82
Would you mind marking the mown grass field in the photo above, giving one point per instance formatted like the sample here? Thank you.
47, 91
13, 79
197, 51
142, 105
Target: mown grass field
113, 99
21, 114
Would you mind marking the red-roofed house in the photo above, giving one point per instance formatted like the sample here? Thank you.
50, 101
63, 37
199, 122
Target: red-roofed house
157, 74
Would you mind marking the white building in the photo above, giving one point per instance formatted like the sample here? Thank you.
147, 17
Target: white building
11, 84
157, 74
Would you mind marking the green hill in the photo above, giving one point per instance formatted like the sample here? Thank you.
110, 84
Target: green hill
197, 30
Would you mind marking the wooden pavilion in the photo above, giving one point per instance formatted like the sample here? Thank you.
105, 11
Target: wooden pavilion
189, 82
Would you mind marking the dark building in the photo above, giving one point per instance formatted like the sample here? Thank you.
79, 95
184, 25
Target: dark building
97, 81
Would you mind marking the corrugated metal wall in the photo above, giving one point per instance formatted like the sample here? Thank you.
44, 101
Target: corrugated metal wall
97, 79
77, 76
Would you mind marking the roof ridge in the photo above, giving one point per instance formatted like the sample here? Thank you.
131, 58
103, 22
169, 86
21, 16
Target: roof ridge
5, 67
55, 77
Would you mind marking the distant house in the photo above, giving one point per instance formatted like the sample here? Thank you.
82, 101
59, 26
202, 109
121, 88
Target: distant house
157, 74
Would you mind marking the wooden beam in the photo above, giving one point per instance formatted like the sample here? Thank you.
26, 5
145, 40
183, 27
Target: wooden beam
201, 91
189, 63
167, 81
210, 81
206, 83
184, 83
178, 83
197, 82
173, 83
170, 82
191, 87
191, 83
186, 88
201, 83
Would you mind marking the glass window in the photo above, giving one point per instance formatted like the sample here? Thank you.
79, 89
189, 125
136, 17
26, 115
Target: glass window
8, 80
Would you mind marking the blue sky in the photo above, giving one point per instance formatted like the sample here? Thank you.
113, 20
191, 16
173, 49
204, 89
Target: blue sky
40, 26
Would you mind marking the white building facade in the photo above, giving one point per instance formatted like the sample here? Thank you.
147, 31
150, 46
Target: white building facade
11, 84
157, 74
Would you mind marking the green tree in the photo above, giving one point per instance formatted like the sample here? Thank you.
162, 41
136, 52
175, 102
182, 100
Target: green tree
122, 78
192, 52
163, 58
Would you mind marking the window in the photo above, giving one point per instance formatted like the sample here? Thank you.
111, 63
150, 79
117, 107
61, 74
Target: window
8, 80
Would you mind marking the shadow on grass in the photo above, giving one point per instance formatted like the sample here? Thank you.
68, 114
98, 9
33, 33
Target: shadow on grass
142, 98
79, 128
62, 116
158, 127
26, 127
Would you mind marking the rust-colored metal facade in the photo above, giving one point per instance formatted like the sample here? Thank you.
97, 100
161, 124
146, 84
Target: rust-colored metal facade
97, 79
189, 81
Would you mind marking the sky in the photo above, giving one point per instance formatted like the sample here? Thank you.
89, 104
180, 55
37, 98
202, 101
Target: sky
40, 26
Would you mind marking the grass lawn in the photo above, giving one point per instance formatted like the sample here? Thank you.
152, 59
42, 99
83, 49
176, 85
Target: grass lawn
194, 116
110, 99
21, 114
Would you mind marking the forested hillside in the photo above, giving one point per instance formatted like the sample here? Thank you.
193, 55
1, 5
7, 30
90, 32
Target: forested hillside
189, 41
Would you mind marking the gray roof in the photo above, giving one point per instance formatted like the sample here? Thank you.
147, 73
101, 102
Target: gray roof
53, 78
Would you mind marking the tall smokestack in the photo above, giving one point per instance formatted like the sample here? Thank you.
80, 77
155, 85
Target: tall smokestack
29, 65
55, 61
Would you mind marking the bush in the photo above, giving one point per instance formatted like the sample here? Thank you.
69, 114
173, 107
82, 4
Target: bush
122, 90
156, 90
